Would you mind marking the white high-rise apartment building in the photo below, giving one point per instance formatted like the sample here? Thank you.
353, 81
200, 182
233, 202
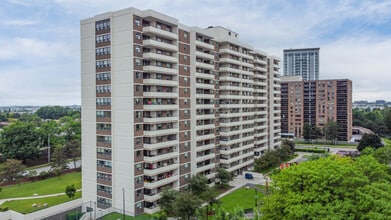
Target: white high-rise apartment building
162, 101
302, 62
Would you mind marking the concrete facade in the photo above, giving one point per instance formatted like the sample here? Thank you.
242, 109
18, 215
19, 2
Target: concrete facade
162, 101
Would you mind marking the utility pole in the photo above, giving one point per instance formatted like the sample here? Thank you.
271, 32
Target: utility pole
123, 202
48, 147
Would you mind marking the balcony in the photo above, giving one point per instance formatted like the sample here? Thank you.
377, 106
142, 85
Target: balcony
240, 165
152, 198
205, 75
204, 45
205, 106
162, 169
155, 56
205, 147
204, 127
157, 69
160, 119
206, 167
156, 158
160, 107
160, 32
160, 94
204, 86
204, 55
205, 65
205, 137
155, 146
160, 45
160, 132
230, 70
162, 182
205, 157
208, 116
205, 96
152, 209
160, 82
229, 60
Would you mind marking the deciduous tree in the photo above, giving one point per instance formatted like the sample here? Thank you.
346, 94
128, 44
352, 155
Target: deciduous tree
370, 140
330, 188
12, 170
21, 141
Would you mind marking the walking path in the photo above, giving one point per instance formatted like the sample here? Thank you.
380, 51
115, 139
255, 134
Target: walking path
33, 197
241, 181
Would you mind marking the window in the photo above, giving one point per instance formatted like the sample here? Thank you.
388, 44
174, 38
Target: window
137, 21
138, 35
186, 101
186, 155
186, 133
185, 48
138, 101
138, 114
186, 80
186, 69
186, 165
186, 123
185, 35
185, 58
186, 144
138, 62
186, 91
139, 75
138, 127
138, 49
138, 88
186, 112
139, 166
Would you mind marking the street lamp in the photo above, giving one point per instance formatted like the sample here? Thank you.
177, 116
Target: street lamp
256, 196
123, 202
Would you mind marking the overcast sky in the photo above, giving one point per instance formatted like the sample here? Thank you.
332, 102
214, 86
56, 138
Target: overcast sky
40, 46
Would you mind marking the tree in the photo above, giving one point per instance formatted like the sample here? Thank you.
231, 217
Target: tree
331, 131
166, 202
387, 118
54, 112
70, 191
59, 158
72, 150
186, 204
198, 184
307, 130
224, 176
330, 188
210, 197
12, 170
370, 140
21, 141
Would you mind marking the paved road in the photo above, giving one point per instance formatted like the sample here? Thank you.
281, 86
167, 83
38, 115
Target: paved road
47, 168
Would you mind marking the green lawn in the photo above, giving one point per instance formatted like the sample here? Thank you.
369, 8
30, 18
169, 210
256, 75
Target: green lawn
115, 216
387, 141
26, 206
44, 187
241, 197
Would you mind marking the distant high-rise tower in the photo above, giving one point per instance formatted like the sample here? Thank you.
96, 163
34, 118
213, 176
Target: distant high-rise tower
302, 62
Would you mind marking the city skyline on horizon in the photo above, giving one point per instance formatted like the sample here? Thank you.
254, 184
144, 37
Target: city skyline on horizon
40, 58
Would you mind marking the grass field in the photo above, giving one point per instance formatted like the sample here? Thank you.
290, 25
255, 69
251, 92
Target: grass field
26, 206
115, 216
241, 197
387, 141
44, 187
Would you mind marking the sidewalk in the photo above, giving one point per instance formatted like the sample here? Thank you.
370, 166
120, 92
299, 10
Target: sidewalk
241, 181
33, 197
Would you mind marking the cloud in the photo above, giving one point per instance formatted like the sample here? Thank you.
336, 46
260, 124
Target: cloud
17, 22
353, 37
